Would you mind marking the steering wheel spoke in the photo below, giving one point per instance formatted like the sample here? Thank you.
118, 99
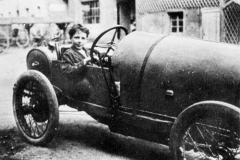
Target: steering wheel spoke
109, 45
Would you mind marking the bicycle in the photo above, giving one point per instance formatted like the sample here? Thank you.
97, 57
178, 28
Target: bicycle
19, 37
4, 41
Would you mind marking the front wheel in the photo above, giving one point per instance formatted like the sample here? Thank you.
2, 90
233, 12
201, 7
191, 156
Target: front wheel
211, 131
35, 107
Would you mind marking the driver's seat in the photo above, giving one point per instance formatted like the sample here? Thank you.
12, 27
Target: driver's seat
60, 49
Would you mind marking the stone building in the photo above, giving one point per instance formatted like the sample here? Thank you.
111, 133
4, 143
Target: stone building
41, 15
214, 20
97, 15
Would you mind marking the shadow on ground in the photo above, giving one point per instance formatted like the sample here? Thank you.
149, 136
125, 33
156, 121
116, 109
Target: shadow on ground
10, 143
98, 136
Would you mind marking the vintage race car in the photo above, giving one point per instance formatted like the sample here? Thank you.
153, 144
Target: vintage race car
173, 90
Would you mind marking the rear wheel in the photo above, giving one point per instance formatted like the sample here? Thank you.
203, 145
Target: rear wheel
22, 40
35, 108
211, 133
4, 41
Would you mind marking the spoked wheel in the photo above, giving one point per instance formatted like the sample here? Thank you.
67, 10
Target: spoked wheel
107, 41
22, 40
35, 108
4, 41
212, 133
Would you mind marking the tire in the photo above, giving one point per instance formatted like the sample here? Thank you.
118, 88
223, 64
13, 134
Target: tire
35, 108
4, 41
22, 40
207, 130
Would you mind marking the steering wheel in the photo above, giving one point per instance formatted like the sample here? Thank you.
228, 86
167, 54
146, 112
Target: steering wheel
109, 45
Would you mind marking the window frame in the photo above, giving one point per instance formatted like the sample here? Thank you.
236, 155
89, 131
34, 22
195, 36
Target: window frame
92, 16
180, 17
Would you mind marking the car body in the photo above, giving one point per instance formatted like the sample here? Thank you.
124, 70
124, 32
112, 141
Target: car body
167, 85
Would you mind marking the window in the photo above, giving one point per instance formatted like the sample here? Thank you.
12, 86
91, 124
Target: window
176, 19
91, 12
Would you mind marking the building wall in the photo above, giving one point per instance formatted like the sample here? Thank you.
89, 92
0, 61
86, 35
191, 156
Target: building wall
18, 8
193, 23
74, 10
153, 22
33, 11
108, 18
153, 16
30, 8
160, 22
45, 12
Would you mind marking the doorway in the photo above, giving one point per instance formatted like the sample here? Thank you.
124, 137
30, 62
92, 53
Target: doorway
126, 14
211, 24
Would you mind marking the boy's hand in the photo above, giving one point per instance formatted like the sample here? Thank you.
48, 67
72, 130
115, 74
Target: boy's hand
95, 57
86, 60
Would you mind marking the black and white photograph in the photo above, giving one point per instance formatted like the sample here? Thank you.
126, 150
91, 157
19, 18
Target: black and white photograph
119, 79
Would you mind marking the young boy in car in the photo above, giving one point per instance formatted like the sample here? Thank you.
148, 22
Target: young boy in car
76, 57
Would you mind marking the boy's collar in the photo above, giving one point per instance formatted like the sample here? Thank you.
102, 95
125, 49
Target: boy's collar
79, 51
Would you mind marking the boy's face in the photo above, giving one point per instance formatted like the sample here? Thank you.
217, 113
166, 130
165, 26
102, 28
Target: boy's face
79, 39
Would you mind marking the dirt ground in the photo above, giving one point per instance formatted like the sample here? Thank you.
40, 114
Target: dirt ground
79, 136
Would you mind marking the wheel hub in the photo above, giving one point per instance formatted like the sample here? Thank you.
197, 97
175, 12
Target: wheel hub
40, 110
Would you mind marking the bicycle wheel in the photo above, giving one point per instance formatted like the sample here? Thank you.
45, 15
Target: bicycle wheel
22, 39
4, 41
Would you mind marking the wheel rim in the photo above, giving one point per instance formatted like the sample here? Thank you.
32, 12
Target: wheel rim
211, 139
32, 109
4, 41
22, 39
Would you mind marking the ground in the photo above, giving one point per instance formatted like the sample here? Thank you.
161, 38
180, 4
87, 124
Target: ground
79, 136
